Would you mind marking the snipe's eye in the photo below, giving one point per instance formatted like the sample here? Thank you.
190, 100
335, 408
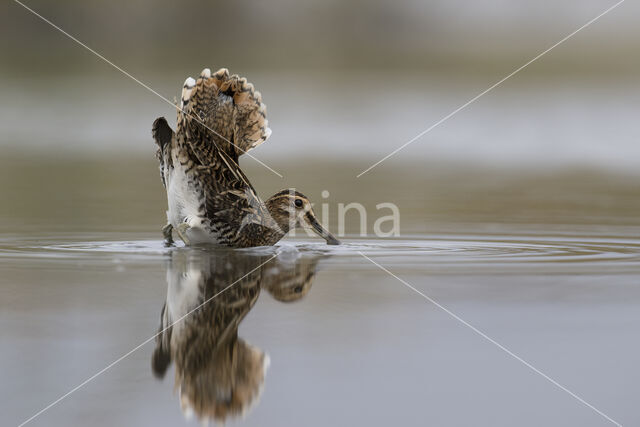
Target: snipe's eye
298, 203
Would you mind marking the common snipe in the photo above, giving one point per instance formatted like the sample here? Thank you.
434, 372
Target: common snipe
210, 199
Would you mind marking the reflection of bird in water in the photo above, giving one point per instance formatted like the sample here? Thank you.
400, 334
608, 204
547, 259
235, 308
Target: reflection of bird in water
218, 374
210, 199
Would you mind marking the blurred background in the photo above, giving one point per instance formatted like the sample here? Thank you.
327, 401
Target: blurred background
520, 213
345, 84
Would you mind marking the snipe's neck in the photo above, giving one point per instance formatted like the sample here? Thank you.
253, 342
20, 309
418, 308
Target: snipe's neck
278, 221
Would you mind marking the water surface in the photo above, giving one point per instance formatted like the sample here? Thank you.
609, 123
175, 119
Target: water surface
546, 265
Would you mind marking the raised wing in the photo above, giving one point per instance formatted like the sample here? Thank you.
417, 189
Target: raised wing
232, 205
164, 137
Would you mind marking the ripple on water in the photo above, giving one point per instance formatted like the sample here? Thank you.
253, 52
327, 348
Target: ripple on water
438, 253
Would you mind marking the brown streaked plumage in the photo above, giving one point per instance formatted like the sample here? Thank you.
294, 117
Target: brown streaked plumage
210, 199
218, 375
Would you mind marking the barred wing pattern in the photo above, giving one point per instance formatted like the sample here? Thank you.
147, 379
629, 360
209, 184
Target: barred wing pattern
222, 111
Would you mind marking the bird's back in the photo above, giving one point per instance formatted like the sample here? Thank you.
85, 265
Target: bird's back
221, 117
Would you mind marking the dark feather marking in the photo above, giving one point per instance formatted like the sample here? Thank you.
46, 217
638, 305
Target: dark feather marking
161, 131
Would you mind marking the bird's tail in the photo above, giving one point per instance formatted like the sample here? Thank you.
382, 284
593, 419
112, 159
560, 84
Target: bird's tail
228, 108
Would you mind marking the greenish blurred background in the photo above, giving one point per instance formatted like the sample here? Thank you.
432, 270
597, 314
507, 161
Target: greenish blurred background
345, 82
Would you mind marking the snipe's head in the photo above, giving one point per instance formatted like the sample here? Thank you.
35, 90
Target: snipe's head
291, 209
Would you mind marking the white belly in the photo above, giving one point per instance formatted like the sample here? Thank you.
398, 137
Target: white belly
182, 199
184, 206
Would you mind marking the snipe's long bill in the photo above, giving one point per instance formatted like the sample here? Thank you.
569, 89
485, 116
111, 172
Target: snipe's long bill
210, 200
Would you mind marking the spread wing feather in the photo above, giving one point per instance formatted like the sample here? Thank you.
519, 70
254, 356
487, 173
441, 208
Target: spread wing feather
231, 203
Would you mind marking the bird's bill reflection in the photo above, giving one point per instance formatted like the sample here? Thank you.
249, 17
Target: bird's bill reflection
217, 374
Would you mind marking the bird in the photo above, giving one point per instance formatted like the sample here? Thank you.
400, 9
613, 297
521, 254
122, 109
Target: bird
210, 200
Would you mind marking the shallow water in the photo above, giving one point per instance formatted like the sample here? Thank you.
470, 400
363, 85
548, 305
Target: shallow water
546, 265
354, 345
